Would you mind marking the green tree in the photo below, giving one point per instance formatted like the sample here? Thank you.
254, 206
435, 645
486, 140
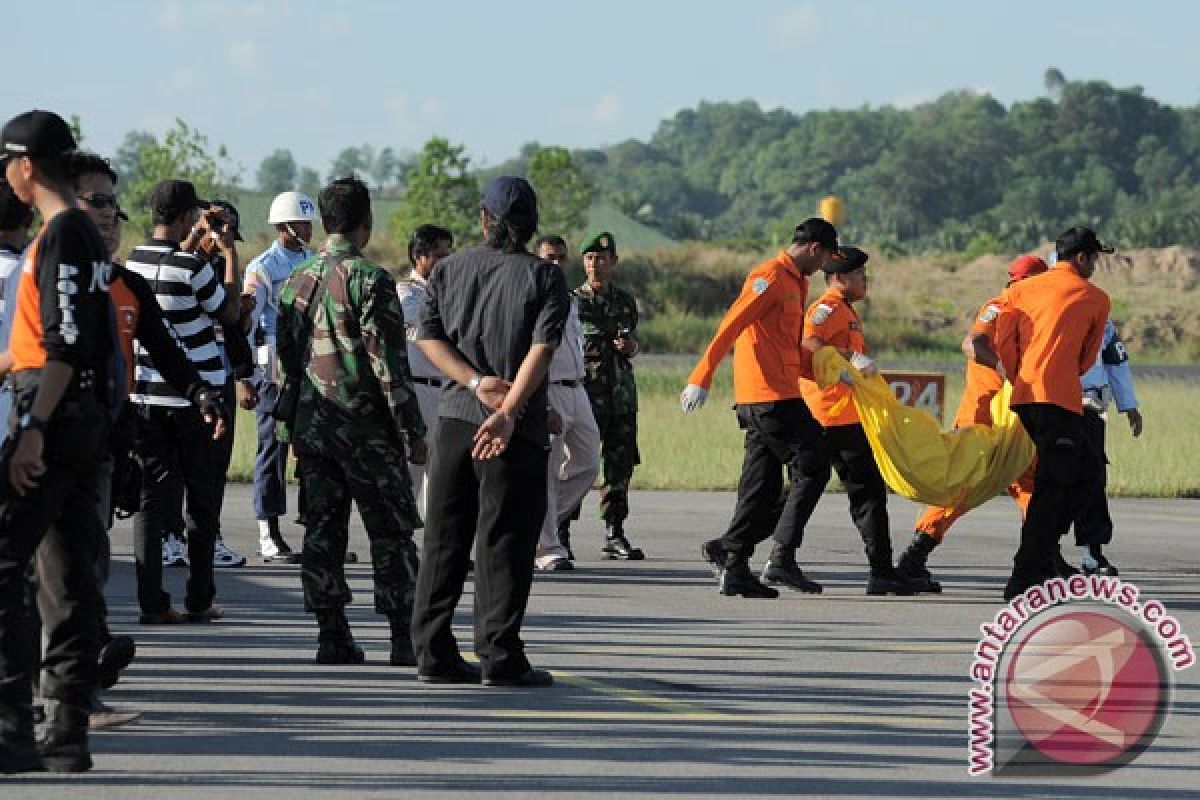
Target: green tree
183, 153
440, 190
309, 182
352, 162
564, 193
277, 172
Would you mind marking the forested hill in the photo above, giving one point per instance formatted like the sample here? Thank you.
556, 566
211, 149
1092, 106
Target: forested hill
961, 173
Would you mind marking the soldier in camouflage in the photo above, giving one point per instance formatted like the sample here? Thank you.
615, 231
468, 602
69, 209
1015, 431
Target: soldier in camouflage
348, 408
609, 316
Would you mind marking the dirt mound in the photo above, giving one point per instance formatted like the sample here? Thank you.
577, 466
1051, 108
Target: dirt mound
1176, 268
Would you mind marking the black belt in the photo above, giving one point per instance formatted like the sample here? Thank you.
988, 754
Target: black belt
435, 382
568, 384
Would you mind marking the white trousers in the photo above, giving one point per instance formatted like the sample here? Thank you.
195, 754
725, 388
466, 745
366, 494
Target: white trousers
427, 398
573, 466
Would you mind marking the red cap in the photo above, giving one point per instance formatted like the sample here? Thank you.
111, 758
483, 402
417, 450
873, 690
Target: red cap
1026, 267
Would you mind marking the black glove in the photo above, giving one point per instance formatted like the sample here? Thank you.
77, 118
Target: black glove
209, 401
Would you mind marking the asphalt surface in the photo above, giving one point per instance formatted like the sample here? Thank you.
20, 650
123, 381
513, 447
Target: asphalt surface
664, 688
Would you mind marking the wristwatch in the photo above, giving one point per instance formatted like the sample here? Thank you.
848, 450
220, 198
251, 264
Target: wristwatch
473, 384
28, 422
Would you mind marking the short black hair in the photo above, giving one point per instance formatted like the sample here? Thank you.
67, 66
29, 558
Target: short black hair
816, 229
83, 162
345, 205
553, 239
425, 238
53, 169
14, 215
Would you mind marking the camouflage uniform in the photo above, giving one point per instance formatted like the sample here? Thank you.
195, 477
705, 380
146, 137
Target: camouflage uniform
356, 401
613, 391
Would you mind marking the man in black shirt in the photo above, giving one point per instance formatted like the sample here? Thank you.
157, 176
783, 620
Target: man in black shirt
493, 316
62, 348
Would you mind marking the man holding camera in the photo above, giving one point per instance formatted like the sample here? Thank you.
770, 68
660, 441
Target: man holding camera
171, 437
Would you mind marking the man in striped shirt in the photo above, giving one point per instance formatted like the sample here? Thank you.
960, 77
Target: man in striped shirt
171, 437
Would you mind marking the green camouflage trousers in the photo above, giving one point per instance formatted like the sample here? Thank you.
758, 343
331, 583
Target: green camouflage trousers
376, 478
618, 456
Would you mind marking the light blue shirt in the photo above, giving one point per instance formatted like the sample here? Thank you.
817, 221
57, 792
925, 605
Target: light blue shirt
1111, 371
265, 276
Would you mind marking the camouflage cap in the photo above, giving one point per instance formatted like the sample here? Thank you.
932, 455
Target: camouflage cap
600, 243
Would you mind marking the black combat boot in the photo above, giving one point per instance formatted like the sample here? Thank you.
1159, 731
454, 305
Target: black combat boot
18, 748
335, 643
64, 743
911, 566
403, 654
736, 580
1095, 563
713, 551
781, 569
564, 537
884, 579
616, 546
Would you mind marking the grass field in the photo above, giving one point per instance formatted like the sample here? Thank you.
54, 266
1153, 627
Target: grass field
703, 451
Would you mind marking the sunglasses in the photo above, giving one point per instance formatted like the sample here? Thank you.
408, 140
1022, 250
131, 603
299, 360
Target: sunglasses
99, 200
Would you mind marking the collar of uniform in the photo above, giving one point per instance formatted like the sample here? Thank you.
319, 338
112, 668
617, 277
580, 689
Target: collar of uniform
339, 246
289, 255
789, 263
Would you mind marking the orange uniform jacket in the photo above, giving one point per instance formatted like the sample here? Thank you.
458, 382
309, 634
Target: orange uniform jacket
982, 382
766, 321
1048, 334
834, 321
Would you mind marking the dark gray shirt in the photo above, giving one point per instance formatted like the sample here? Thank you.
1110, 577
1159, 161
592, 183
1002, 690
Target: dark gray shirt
492, 307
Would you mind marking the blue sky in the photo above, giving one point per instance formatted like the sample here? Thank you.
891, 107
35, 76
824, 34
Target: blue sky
314, 77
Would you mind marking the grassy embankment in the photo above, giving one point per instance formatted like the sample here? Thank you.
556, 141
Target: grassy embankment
704, 450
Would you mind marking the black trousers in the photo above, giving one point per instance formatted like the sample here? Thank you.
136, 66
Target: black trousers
1067, 473
1093, 523
500, 502
60, 516
779, 435
176, 450
845, 448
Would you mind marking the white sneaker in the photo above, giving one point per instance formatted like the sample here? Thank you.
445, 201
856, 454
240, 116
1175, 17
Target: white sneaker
174, 551
225, 558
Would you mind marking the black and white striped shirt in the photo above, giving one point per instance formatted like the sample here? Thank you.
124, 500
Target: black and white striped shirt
190, 293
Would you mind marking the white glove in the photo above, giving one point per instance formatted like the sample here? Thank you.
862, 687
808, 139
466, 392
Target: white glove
692, 398
1000, 371
864, 364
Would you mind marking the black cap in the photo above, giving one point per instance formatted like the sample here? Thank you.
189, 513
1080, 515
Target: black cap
600, 243
36, 133
815, 229
1079, 240
235, 219
170, 198
512, 199
847, 259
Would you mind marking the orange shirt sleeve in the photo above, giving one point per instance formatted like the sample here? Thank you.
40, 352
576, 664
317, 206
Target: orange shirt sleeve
985, 320
1007, 337
759, 293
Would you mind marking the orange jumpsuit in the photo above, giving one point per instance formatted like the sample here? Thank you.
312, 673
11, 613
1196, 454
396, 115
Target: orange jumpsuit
975, 408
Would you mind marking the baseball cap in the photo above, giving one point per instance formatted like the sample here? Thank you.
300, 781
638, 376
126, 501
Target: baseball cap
235, 219
816, 229
170, 198
1079, 240
512, 199
1026, 266
847, 259
35, 133
600, 243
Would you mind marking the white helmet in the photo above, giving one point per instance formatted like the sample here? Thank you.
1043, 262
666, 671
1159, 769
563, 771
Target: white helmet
291, 207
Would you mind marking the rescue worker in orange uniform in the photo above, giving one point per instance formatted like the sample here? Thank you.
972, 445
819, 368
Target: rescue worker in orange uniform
766, 322
832, 322
984, 378
1048, 334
